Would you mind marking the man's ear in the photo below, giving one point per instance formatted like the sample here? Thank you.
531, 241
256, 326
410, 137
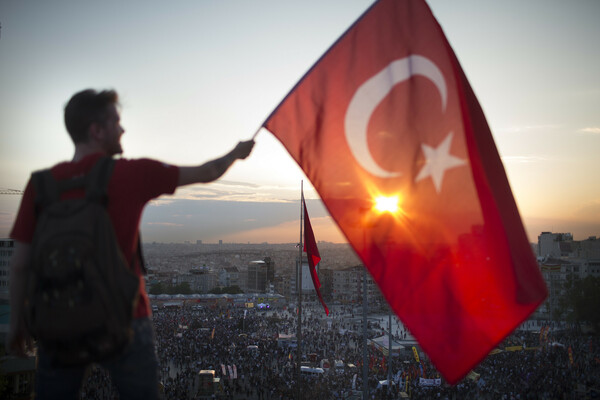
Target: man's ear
95, 132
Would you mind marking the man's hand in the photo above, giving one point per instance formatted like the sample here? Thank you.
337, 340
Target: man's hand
213, 170
243, 149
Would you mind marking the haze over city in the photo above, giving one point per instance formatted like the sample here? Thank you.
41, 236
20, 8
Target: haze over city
195, 77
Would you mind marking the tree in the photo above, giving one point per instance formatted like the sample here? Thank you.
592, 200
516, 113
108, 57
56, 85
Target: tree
158, 288
582, 296
182, 288
235, 289
162, 288
227, 289
215, 290
3, 385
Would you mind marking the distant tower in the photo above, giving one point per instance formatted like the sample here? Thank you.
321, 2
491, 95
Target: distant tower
260, 275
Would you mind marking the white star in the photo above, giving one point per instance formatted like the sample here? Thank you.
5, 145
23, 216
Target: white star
437, 161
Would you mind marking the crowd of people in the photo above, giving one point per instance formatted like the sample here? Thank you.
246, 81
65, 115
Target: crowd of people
243, 349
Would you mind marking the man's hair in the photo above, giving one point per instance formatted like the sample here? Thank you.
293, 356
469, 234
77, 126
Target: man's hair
84, 109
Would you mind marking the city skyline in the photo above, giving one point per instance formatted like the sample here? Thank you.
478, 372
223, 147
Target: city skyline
197, 77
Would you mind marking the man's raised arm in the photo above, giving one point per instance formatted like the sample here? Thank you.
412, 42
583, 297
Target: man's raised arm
214, 169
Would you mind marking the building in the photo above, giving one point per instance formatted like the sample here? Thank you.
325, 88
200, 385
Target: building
18, 372
555, 272
561, 258
229, 276
19, 376
288, 285
7, 248
282, 285
555, 245
260, 275
326, 279
589, 249
347, 286
591, 267
201, 280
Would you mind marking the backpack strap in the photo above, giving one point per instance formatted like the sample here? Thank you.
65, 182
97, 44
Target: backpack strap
96, 181
97, 190
46, 189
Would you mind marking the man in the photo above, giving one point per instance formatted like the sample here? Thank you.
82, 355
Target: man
92, 120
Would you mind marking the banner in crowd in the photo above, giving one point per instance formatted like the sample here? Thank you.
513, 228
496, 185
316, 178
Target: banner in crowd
570, 356
430, 382
416, 354
513, 348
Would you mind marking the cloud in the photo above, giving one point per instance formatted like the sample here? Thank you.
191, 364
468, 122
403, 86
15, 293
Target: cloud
523, 159
591, 130
589, 211
530, 128
170, 224
288, 232
208, 220
230, 191
243, 184
581, 229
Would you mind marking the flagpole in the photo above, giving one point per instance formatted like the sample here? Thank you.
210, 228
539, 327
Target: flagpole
364, 349
389, 364
299, 285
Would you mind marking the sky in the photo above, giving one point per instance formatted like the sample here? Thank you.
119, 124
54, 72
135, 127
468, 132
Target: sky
197, 76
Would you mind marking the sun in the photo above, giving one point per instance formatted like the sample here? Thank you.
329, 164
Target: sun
389, 204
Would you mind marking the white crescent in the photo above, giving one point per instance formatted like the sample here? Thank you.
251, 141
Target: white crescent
372, 92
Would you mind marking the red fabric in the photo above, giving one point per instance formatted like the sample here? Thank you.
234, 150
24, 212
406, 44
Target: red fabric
454, 264
132, 185
312, 253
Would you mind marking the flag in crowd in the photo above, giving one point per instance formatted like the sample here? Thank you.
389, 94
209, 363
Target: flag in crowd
570, 352
388, 113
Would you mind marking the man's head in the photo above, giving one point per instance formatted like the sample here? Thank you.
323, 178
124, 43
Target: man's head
92, 118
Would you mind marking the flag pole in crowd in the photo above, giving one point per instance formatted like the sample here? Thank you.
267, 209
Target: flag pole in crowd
299, 290
307, 244
365, 386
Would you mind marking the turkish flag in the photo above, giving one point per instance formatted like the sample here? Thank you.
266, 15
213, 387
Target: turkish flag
387, 111
312, 253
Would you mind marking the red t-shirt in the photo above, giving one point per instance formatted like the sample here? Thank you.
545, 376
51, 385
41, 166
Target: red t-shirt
133, 183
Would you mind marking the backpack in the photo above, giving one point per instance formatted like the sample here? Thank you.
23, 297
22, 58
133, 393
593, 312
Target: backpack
81, 293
